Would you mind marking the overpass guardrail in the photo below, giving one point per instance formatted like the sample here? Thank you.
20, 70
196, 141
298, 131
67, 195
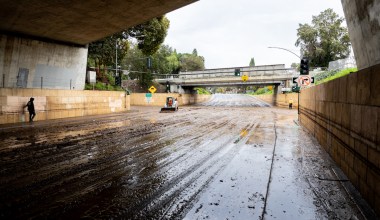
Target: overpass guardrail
226, 74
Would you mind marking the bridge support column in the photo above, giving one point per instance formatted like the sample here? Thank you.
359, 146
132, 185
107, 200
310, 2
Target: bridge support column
174, 88
28, 63
363, 23
177, 89
275, 92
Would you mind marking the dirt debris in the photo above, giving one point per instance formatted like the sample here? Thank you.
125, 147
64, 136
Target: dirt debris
146, 165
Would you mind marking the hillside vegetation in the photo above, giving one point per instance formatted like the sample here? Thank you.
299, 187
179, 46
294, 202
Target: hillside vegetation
331, 75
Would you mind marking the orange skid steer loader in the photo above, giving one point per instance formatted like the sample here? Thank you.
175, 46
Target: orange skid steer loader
171, 105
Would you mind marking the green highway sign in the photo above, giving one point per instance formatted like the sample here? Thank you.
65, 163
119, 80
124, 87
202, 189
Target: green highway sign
295, 89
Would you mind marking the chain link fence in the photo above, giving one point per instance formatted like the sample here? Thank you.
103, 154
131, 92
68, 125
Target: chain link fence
342, 64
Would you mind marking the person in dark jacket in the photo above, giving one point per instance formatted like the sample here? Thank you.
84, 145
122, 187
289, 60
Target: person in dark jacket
290, 103
32, 112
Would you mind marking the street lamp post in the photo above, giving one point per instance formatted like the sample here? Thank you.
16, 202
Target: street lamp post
300, 89
285, 50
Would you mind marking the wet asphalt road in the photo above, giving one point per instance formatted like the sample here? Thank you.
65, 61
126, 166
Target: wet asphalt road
234, 157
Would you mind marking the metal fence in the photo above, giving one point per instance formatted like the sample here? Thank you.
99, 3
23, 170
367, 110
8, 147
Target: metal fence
44, 77
41, 82
341, 64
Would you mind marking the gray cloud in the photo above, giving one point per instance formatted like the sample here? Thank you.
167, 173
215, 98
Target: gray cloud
228, 33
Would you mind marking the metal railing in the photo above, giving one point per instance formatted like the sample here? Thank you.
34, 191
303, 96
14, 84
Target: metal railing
227, 74
39, 82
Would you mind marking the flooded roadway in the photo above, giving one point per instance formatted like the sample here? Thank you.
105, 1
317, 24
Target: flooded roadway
234, 157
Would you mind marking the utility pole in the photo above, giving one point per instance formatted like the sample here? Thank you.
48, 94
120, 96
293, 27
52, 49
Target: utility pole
116, 54
117, 75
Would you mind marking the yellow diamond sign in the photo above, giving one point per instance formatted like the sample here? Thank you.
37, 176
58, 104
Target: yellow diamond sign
152, 89
244, 78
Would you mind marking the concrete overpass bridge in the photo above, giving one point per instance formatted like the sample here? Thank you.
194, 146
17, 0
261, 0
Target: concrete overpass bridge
184, 82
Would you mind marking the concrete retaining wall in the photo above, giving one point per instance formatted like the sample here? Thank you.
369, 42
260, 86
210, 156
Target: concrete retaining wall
280, 100
159, 99
344, 116
53, 104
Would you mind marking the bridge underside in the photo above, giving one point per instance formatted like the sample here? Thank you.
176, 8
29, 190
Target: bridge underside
188, 88
224, 84
42, 43
79, 22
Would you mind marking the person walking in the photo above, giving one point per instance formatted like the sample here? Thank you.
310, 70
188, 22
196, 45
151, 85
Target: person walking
290, 103
31, 110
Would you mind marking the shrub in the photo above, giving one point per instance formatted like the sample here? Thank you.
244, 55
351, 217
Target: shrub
88, 86
331, 75
202, 91
262, 91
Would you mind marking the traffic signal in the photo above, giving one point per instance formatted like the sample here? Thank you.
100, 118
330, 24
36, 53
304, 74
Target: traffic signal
304, 68
237, 72
118, 80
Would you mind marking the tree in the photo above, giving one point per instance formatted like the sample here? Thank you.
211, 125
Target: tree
102, 54
325, 40
164, 61
149, 36
136, 62
173, 62
191, 62
252, 62
295, 66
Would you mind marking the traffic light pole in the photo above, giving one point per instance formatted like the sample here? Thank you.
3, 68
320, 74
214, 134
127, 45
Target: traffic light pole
116, 56
298, 105
304, 70
117, 75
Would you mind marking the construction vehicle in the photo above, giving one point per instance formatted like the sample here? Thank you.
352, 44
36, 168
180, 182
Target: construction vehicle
171, 105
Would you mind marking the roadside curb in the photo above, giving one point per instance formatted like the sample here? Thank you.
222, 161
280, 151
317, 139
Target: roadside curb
355, 196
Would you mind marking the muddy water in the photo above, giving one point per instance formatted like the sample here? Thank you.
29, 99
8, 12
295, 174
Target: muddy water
225, 159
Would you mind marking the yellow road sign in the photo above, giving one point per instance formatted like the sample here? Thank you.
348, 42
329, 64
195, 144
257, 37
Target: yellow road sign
244, 78
152, 89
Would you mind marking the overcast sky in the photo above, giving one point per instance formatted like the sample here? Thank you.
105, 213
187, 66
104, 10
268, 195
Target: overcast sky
228, 33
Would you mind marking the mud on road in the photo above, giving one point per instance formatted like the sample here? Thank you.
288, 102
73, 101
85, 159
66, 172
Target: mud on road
213, 161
